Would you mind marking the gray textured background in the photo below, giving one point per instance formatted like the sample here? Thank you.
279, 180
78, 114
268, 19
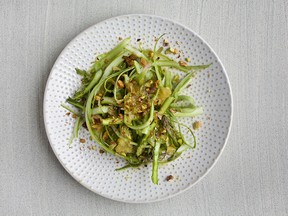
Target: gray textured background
250, 37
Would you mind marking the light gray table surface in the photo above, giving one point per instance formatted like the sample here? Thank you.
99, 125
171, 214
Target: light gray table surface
250, 37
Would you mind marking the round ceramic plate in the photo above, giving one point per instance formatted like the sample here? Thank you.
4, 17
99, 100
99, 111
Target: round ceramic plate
96, 170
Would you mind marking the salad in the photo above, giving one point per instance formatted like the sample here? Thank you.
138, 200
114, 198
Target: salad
130, 101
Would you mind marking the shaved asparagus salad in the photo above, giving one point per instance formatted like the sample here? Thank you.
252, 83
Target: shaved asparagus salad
130, 102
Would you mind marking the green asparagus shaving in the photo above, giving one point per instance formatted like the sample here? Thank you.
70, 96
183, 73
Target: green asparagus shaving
186, 112
173, 64
155, 47
184, 82
79, 122
94, 81
118, 60
193, 135
168, 79
158, 75
143, 142
75, 103
81, 72
166, 105
155, 163
70, 110
137, 67
109, 101
100, 110
145, 124
136, 52
179, 151
130, 102
183, 98
116, 87
110, 121
111, 55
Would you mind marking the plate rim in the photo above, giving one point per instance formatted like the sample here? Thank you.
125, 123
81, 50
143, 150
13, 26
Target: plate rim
216, 158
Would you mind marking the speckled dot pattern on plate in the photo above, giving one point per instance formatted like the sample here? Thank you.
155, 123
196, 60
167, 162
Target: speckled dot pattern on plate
96, 170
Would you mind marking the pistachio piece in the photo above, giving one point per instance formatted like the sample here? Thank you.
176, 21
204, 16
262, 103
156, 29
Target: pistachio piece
165, 42
120, 84
183, 63
197, 125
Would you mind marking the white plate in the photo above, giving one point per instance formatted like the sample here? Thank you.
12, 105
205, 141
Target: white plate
96, 171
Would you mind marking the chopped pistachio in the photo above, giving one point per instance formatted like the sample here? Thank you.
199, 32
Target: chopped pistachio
97, 127
105, 136
151, 54
197, 125
157, 83
169, 178
148, 83
94, 148
187, 59
144, 106
120, 116
173, 110
123, 147
120, 84
171, 50
82, 140
158, 115
183, 63
97, 97
168, 50
143, 62
164, 93
170, 150
165, 42
101, 151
